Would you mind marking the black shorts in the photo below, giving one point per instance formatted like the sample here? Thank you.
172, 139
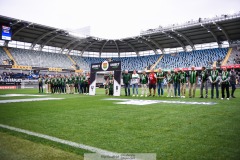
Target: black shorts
152, 86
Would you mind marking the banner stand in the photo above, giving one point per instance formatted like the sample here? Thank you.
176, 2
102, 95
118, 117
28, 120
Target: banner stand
114, 66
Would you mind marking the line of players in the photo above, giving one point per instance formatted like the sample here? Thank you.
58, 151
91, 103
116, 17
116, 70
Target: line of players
177, 81
75, 83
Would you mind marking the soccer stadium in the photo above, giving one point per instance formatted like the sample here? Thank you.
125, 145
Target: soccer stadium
170, 92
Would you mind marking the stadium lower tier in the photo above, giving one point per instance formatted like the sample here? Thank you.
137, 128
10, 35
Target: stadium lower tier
197, 58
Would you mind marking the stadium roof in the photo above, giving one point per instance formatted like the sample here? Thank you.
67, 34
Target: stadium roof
218, 29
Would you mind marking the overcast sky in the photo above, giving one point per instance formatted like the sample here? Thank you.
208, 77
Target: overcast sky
114, 19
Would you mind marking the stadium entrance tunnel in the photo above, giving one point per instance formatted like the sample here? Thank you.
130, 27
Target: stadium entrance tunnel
114, 66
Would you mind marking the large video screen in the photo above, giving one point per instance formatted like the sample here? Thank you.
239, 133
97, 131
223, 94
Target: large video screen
6, 33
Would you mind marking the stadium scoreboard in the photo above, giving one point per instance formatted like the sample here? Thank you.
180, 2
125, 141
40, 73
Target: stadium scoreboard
6, 32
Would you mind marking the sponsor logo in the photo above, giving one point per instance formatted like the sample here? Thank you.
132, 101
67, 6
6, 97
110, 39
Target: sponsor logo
92, 87
105, 65
8, 87
96, 66
114, 65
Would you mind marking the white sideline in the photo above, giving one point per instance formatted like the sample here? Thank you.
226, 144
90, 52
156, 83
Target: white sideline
62, 141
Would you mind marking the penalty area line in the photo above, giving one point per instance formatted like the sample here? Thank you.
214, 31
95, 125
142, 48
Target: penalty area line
62, 141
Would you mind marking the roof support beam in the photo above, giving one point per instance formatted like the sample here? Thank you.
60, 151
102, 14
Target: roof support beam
155, 43
102, 48
20, 28
67, 45
89, 45
47, 41
117, 48
176, 39
41, 37
186, 38
213, 34
224, 32
75, 46
131, 46
148, 44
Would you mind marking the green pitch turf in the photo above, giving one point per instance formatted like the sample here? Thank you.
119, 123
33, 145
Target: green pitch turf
172, 131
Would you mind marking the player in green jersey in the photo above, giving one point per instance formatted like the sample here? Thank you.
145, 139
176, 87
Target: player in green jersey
225, 83
183, 81
192, 81
214, 80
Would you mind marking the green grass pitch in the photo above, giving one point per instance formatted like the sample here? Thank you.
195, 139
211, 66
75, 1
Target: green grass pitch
172, 131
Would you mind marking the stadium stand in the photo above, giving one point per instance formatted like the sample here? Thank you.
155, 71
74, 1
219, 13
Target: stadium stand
3, 56
196, 58
81, 62
234, 57
40, 59
128, 63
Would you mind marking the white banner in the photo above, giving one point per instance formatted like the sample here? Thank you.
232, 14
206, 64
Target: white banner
92, 88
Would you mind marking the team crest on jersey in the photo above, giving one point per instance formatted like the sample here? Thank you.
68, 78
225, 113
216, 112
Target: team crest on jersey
105, 65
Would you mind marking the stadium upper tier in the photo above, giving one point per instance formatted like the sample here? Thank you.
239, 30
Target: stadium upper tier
222, 30
196, 58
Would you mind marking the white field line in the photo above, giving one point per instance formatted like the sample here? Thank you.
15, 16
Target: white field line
62, 141
147, 102
28, 100
19, 95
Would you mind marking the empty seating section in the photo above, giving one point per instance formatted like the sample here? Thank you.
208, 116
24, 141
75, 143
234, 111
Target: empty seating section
196, 58
234, 57
81, 62
137, 63
3, 56
128, 63
40, 59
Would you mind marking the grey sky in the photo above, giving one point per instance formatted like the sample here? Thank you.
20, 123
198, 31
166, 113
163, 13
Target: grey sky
114, 18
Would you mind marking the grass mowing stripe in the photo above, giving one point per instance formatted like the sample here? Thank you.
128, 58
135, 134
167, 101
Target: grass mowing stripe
18, 148
73, 144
